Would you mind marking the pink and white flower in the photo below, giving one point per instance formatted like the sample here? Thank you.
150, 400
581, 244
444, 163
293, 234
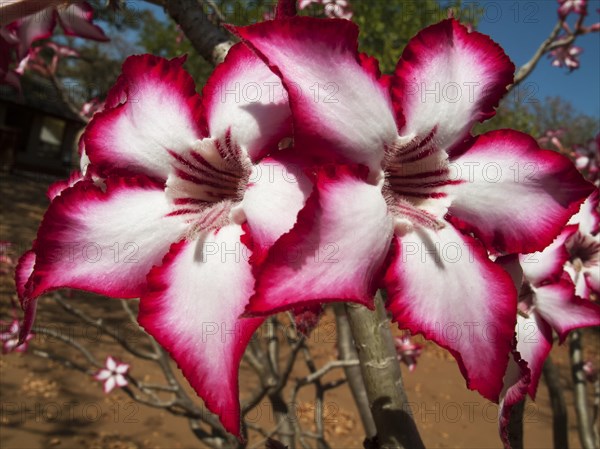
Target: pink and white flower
75, 18
566, 56
554, 287
175, 187
410, 188
568, 6
587, 159
9, 337
583, 246
113, 375
408, 351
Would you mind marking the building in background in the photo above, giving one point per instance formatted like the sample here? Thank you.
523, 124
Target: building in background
38, 130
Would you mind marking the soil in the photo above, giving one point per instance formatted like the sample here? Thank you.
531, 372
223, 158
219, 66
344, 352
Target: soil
46, 405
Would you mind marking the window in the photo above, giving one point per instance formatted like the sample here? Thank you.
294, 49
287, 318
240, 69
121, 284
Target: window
51, 138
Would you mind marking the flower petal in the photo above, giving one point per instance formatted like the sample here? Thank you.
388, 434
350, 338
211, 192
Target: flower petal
534, 342
442, 284
192, 308
104, 241
339, 108
103, 374
507, 178
110, 363
120, 380
446, 80
516, 381
109, 384
33, 28
76, 20
57, 187
23, 271
243, 97
563, 310
277, 191
588, 217
156, 110
548, 264
335, 250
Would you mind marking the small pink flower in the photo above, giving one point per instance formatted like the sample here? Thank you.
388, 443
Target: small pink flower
339, 9
407, 351
553, 136
566, 56
10, 338
591, 373
568, 6
89, 108
113, 375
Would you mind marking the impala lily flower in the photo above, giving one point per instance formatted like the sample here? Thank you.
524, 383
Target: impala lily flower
10, 338
182, 180
408, 352
587, 160
591, 372
415, 182
568, 6
75, 18
553, 136
583, 247
113, 375
549, 301
566, 56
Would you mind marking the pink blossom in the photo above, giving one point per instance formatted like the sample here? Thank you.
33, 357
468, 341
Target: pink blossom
587, 159
337, 9
408, 352
591, 372
554, 289
10, 338
566, 56
74, 18
552, 136
89, 108
568, 6
180, 180
394, 187
113, 375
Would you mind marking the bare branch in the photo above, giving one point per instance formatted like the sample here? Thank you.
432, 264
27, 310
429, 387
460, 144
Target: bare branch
584, 425
210, 41
325, 369
560, 435
528, 67
99, 324
347, 351
382, 376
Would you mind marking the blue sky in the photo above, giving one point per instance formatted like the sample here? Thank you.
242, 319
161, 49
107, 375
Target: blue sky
520, 26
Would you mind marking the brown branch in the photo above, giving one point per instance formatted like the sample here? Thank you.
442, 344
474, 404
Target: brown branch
382, 376
212, 42
528, 67
560, 435
347, 351
584, 425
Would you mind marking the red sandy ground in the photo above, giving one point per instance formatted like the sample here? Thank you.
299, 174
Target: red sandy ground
45, 405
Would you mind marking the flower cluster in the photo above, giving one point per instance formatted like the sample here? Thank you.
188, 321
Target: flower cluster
303, 176
555, 289
36, 21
